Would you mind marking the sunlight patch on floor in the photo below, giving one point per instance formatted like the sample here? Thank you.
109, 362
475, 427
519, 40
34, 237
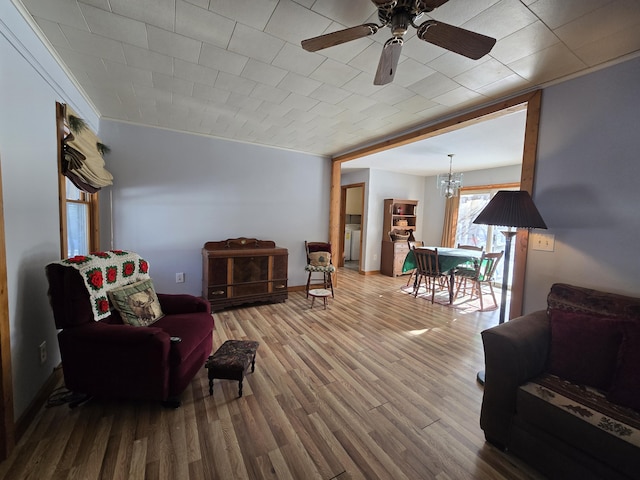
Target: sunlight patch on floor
418, 332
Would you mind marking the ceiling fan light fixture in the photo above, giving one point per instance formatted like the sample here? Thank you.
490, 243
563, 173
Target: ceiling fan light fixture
400, 23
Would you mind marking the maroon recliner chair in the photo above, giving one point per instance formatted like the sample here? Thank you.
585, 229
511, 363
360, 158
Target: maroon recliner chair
110, 359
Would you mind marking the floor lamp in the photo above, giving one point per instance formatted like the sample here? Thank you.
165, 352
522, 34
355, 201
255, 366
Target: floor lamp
509, 208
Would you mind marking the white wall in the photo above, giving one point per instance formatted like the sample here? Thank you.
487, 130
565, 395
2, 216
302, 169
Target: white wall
173, 192
30, 84
587, 184
384, 185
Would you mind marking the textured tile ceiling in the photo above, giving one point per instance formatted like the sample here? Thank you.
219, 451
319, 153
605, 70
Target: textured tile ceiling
235, 69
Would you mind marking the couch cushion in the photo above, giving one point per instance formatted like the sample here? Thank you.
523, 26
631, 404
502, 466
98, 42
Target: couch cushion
137, 303
625, 389
584, 347
584, 418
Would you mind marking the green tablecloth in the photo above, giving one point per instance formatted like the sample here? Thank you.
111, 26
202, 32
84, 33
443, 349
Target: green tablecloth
448, 258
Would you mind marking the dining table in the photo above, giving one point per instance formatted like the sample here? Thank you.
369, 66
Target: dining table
448, 260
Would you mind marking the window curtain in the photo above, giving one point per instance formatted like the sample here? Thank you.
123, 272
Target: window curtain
82, 155
450, 222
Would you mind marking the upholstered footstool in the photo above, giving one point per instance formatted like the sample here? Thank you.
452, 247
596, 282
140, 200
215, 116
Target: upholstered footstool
231, 361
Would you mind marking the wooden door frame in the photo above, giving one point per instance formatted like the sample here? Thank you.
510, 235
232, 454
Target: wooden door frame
530, 101
343, 220
7, 422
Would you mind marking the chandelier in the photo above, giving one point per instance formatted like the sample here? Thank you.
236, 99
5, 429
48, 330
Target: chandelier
449, 183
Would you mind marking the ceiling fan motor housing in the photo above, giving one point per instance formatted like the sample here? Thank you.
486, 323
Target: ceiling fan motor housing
401, 12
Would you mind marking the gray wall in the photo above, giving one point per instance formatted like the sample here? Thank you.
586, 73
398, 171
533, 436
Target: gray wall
586, 186
174, 191
30, 84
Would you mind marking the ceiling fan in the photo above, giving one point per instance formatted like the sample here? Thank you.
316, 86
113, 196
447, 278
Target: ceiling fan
398, 15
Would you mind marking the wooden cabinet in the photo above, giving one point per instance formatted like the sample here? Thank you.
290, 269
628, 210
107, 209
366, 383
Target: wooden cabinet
392, 258
243, 270
400, 217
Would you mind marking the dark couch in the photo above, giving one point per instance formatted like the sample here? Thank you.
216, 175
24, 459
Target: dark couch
562, 387
109, 359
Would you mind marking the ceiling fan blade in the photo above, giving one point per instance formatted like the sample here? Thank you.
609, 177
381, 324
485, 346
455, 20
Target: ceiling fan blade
385, 3
388, 61
458, 40
341, 36
428, 5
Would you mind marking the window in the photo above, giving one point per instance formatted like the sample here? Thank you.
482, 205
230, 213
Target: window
78, 206
472, 202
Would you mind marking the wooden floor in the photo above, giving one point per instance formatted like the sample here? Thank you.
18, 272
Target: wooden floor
380, 385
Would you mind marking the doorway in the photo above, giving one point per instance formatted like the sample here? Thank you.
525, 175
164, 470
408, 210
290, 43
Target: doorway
530, 101
351, 225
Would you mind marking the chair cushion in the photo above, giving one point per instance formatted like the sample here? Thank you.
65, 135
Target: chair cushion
319, 247
465, 272
314, 268
191, 328
319, 259
137, 303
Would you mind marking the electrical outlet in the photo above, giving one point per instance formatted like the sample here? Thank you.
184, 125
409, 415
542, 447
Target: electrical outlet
42, 349
180, 277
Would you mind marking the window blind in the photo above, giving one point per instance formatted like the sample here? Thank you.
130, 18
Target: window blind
82, 155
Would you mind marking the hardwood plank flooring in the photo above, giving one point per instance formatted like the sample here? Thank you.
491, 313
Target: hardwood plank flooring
380, 385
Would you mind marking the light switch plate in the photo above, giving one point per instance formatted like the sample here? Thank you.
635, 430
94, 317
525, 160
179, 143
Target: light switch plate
542, 241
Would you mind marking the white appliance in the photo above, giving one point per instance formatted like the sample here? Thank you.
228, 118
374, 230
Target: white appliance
347, 245
355, 244
352, 242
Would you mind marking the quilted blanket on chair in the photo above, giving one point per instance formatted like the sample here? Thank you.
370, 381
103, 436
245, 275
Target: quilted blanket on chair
103, 271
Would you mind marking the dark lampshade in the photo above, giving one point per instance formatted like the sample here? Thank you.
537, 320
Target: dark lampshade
511, 208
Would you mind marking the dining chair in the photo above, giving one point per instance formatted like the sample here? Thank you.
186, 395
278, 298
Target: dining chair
483, 273
475, 248
428, 269
412, 245
471, 247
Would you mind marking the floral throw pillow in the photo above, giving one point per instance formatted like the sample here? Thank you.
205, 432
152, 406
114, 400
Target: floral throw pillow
320, 259
137, 303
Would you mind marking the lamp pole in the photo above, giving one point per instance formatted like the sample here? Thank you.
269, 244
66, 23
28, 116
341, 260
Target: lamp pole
513, 209
506, 268
505, 285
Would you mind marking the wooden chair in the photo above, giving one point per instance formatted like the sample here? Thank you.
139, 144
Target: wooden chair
319, 261
471, 247
470, 265
483, 273
428, 270
412, 245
